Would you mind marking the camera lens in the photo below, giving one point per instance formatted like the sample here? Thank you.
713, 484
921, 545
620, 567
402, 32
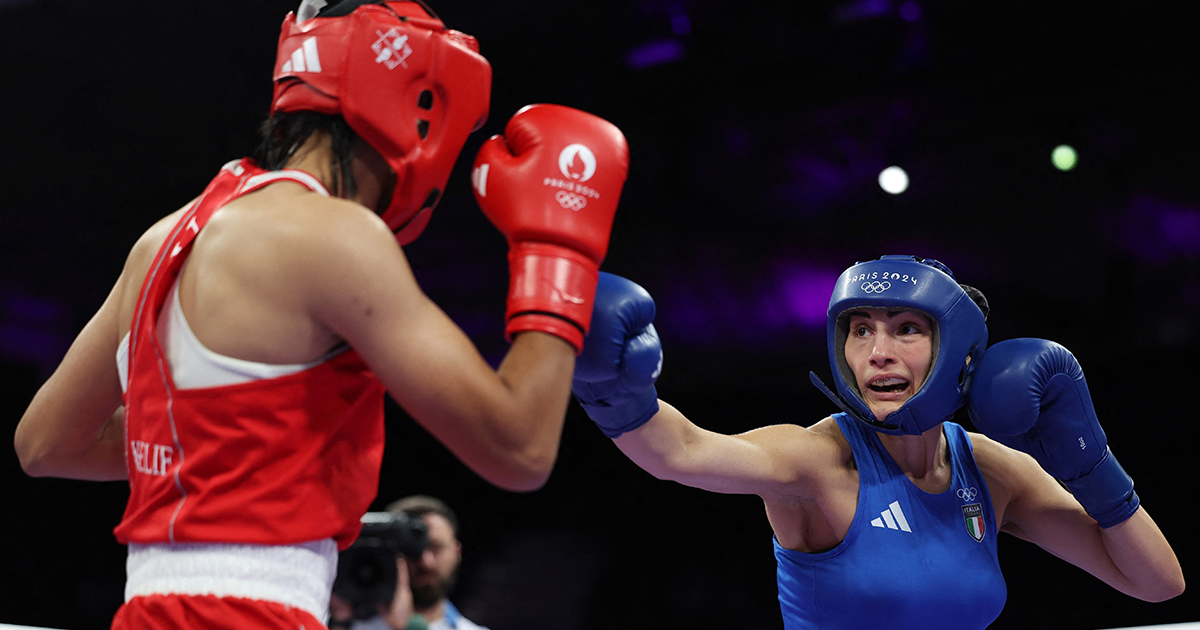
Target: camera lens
366, 576
367, 570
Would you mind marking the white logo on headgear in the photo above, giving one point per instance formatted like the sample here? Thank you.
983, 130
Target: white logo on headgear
875, 287
967, 494
391, 49
570, 201
304, 58
567, 158
885, 275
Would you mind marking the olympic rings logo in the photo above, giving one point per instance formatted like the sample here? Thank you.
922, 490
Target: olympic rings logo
876, 287
570, 201
967, 494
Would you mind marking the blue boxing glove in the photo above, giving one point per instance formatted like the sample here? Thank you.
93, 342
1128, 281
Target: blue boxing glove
621, 358
1030, 394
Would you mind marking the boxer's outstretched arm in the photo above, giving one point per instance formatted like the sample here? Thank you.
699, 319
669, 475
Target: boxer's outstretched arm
768, 461
614, 382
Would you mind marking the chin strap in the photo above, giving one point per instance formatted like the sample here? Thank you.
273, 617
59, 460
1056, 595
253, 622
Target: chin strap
851, 411
838, 400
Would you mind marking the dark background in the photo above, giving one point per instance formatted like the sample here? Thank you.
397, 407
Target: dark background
753, 183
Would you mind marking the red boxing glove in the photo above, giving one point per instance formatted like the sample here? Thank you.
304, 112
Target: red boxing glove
551, 184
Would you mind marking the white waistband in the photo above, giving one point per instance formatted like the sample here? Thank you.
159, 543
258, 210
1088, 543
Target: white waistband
299, 575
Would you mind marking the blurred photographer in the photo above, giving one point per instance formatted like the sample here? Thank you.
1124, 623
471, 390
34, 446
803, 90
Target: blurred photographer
419, 534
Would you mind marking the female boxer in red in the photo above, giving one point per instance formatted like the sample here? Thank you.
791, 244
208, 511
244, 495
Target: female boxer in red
235, 373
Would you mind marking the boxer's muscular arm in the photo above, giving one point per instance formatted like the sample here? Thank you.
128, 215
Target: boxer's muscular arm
74, 427
614, 382
769, 461
1031, 395
1133, 556
504, 424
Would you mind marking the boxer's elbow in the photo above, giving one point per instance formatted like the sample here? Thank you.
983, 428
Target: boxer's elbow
521, 460
34, 455
1174, 591
1159, 585
527, 471
42, 439
524, 483
43, 453
1169, 588
39, 468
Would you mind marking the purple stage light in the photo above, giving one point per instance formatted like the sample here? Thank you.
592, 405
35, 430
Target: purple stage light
28, 309
33, 330
813, 183
806, 291
1157, 230
1181, 229
705, 307
691, 315
861, 10
680, 24
655, 53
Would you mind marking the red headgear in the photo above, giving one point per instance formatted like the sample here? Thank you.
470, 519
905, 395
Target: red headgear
410, 87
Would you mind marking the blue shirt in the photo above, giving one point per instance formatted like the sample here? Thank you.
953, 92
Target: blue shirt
453, 620
910, 559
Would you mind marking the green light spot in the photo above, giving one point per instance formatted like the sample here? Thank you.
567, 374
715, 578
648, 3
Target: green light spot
1064, 157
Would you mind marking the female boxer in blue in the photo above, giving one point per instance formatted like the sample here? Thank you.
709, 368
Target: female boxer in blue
888, 512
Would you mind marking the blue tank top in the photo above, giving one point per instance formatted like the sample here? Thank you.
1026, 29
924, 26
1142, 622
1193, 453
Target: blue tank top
910, 559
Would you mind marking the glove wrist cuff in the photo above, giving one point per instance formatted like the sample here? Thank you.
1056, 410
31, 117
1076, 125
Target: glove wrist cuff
551, 288
548, 323
1106, 492
627, 416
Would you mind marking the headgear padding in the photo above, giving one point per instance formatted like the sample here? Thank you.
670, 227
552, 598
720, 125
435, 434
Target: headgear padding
959, 331
411, 88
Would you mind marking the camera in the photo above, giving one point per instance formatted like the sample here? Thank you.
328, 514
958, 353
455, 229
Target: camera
366, 573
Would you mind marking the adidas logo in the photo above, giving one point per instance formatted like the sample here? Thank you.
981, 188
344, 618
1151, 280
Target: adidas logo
892, 518
304, 58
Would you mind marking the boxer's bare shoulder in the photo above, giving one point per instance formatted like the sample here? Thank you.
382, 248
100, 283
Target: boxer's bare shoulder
140, 257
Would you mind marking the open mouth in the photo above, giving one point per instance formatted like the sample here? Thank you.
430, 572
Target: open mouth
888, 385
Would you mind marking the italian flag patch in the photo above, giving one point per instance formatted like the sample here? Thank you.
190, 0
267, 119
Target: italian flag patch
973, 514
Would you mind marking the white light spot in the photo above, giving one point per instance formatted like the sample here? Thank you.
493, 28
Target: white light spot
894, 180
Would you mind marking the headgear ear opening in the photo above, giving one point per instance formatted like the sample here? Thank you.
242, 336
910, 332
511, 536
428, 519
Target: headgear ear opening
925, 285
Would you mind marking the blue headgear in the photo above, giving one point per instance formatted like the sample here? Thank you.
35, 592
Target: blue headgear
959, 331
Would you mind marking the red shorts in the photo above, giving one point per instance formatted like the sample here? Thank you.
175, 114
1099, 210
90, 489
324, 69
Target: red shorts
209, 612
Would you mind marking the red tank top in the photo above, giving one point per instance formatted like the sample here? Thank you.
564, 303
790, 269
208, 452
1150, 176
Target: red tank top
273, 461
